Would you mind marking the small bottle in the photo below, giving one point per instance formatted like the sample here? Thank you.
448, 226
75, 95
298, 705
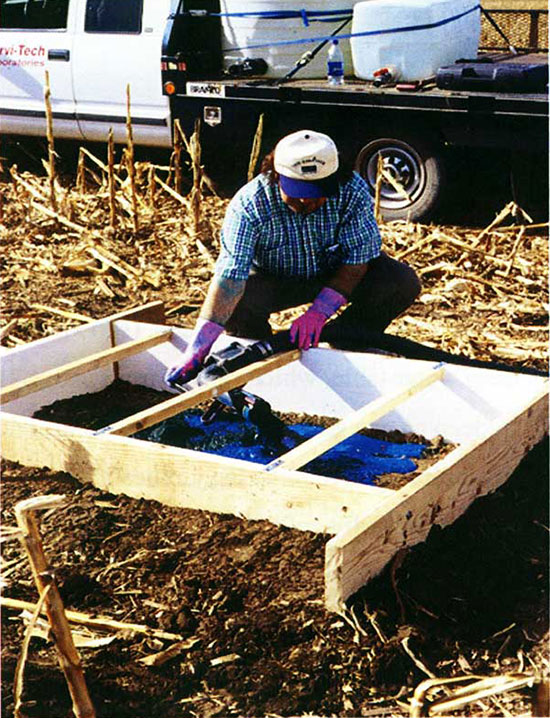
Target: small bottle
335, 64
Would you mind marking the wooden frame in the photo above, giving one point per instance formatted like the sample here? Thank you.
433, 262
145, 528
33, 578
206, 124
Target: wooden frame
494, 418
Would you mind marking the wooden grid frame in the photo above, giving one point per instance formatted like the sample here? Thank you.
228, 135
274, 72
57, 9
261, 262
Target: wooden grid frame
369, 524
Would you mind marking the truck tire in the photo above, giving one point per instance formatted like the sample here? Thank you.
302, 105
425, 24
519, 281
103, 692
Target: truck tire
417, 168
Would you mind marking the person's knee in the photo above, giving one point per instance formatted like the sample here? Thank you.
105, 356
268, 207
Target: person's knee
411, 286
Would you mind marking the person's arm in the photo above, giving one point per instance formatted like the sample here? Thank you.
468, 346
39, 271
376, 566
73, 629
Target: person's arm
347, 277
221, 299
305, 331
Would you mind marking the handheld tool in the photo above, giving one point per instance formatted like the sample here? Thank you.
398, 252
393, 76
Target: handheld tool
252, 408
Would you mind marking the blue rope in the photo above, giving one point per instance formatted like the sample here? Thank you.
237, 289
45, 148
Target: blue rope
285, 14
367, 33
307, 16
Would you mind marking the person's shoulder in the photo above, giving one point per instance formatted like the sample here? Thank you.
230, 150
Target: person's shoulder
253, 195
355, 189
356, 183
256, 188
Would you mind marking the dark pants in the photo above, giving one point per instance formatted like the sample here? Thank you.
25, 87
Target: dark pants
388, 288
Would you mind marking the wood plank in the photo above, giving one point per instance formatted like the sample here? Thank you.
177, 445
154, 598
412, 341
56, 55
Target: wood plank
75, 368
349, 425
438, 496
171, 407
185, 478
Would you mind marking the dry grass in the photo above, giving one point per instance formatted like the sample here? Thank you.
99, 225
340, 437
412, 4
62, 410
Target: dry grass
484, 292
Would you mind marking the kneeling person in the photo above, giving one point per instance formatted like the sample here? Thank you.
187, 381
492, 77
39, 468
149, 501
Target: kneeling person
302, 231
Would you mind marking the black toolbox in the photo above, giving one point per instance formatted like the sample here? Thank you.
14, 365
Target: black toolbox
500, 73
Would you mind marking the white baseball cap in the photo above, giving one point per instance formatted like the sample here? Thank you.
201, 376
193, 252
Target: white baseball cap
306, 162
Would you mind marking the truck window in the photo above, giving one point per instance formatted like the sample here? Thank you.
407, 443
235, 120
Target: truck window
33, 14
113, 16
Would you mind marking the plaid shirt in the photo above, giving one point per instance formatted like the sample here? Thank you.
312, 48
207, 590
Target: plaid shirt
261, 231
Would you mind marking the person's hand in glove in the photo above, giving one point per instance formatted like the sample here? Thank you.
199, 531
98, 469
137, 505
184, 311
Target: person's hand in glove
306, 330
204, 335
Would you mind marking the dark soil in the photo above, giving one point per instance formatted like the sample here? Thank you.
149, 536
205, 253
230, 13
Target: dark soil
471, 600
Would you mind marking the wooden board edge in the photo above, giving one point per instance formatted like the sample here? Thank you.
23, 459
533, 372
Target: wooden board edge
188, 479
94, 361
352, 423
150, 313
438, 496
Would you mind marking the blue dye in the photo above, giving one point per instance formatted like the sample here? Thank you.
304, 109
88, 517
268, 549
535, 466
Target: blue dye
358, 458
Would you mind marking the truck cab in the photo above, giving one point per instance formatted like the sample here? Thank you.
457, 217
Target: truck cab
92, 50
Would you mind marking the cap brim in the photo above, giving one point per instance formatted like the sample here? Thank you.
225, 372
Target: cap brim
309, 189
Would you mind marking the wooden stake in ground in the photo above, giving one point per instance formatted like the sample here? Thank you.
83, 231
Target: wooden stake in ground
111, 179
130, 160
69, 659
49, 135
256, 146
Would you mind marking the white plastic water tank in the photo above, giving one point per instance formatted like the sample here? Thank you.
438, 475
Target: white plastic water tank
415, 54
247, 23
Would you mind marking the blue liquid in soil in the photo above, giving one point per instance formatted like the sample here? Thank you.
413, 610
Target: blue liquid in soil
358, 458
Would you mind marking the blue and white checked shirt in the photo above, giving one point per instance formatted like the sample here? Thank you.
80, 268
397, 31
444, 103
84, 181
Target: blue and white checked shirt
260, 231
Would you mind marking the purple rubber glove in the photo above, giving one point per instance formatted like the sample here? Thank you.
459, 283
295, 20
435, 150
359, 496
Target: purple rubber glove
204, 335
307, 328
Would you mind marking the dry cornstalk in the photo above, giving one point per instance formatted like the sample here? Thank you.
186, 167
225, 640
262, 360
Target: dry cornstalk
171, 192
196, 193
31, 189
476, 689
178, 147
110, 259
69, 659
111, 178
61, 313
513, 253
256, 147
378, 188
105, 624
81, 172
501, 216
62, 220
130, 160
49, 135
20, 668
6, 329
151, 191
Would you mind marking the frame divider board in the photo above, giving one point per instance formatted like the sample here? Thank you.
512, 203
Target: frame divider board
171, 407
438, 496
328, 438
187, 478
81, 366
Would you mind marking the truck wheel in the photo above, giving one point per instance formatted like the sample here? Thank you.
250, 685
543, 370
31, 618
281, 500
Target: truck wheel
415, 167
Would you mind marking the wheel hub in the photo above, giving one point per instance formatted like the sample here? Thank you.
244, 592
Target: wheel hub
404, 168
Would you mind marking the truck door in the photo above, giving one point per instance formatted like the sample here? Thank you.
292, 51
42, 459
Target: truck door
119, 43
35, 36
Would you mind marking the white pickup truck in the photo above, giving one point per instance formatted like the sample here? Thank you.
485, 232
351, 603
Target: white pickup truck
92, 49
